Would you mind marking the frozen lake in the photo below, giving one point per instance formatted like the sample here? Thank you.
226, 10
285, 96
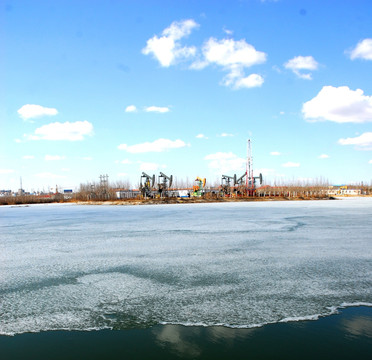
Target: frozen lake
233, 264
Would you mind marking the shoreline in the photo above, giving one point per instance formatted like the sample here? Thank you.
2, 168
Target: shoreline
159, 201
176, 200
344, 335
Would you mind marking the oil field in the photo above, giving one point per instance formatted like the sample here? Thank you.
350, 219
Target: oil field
164, 189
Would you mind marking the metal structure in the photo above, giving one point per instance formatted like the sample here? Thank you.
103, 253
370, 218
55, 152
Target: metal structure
146, 188
226, 184
164, 184
103, 181
250, 180
198, 190
245, 185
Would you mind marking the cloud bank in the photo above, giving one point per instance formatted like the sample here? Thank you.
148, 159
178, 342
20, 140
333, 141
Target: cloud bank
363, 50
362, 142
339, 104
131, 108
157, 109
300, 63
167, 49
233, 56
70, 131
30, 111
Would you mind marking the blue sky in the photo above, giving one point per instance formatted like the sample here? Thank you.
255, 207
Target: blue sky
121, 87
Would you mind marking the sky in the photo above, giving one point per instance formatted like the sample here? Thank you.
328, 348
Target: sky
120, 87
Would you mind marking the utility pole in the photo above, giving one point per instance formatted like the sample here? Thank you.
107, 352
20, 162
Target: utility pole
103, 181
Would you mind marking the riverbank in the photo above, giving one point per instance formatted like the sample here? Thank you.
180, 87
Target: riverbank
347, 335
195, 200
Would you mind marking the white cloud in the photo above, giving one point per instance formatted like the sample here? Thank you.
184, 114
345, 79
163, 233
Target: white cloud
167, 48
63, 131
362, 142
157, 109
28, 157
122, 174
291, 164
370, 162
18, 141
253, 80
158, 145
225, 162
131, 108
6, 171
65, 169
339, 104
54, 157
299, 63
275, 153
201, 136
149, 166
87, 158
227, 31
48, 175
323, 156
233, 56
363, 50
33, 111
225, 135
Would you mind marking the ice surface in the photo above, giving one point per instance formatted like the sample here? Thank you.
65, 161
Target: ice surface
234, 264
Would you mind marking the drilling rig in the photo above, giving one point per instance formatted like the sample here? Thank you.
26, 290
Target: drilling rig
250, 180
245, 184
164, 184
146, 188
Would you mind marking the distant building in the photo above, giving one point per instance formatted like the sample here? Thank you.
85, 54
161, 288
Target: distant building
67, 194
343, 191
354, 192
20, 192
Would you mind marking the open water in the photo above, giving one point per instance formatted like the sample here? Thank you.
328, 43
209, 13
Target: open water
241, 265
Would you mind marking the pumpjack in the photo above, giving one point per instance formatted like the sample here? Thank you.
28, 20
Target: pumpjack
146, 188
239, 185
198, 190
164, 183
226, 184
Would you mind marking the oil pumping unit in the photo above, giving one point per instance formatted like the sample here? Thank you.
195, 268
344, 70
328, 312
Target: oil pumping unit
146, 188
198, 190
225, 184
233, 184
164, 183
